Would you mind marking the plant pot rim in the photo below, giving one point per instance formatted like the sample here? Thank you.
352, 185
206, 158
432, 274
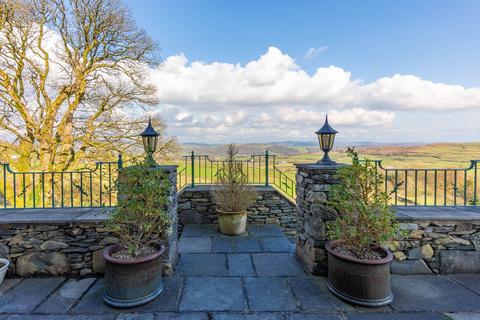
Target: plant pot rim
330, 245
5, 263
108, 251
231, 213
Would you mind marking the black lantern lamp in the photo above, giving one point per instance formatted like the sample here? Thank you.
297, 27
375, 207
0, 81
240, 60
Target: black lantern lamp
326, 137
150, 139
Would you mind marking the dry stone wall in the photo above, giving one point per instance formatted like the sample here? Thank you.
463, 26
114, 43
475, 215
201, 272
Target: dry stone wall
196, 206
443, 246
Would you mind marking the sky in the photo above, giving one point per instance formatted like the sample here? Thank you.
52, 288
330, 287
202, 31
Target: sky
262, 71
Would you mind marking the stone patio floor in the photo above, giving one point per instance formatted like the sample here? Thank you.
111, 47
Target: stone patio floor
254, 277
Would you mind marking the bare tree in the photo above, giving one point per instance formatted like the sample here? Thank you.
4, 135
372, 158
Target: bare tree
73, 74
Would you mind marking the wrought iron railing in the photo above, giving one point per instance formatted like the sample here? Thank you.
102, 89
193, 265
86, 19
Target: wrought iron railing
59, 189
431, 187
260, 169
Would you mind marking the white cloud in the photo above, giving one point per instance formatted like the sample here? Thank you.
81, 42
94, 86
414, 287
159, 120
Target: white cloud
313, 52
274, 96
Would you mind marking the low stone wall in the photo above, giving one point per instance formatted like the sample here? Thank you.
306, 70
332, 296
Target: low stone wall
54, 249
437, 246
196, 206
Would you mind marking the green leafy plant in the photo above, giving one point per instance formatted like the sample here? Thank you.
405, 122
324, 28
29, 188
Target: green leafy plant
141, 213
234, 194
364, 219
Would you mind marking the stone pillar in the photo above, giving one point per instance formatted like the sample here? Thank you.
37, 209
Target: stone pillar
313, 185
170, 257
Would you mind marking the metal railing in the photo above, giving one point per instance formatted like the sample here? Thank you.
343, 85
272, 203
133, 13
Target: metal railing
260, 169
59, 189
431, 187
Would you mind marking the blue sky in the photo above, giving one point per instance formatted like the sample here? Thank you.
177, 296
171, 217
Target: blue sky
435, 41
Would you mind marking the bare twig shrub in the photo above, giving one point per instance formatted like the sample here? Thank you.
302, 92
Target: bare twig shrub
234, 194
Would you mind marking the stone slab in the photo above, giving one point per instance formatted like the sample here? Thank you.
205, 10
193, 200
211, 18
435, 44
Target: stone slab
458, 213
181, 316
247, 245
8, 284
66, 296
277, 244
397, 316
97, 214
315, 316
471, 281
92, 301
463, 316
25, 296
213, 294
265, 230
432, 293
458, 261
240, 264
208, 264
246, 316
313, 295
199, 230
409, 267
195, 245
269, 294
277, 265
51, 216
136, 316
223, 245
58, 317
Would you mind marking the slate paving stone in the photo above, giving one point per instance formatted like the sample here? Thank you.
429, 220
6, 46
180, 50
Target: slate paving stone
136, 316
223, 245
8, 284
92, 301
244, 316
276, 244
25, 296
247, 245
269, 294
181, 316
397, 316
195, 245
471, 281
432, 293
65, 296
265, 230
316, 316
58, 317
199, 230
240, 264
202, 265
463, 316
213, 294
313, 295
276, 265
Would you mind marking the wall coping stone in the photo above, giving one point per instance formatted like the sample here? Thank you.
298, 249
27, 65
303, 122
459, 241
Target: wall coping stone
459, 213
316, 166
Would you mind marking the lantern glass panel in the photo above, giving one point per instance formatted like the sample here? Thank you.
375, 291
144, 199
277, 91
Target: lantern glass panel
323, 140
332, 139
145, 143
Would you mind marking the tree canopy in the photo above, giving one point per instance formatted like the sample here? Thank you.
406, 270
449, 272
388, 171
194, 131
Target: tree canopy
73, 74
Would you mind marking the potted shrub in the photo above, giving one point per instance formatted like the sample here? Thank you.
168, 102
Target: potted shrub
358, 263
133, 269
233, 196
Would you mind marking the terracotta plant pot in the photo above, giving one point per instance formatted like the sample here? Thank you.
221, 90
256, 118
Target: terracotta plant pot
130, 283
4, 263
232, 223
361, 282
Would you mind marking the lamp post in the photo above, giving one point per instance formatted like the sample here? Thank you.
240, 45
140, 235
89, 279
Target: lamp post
150, 139
326, 137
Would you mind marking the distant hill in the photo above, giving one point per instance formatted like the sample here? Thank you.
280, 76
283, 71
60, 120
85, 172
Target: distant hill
284, 148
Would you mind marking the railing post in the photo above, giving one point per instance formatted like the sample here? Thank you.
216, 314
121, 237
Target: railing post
193, 169
266, 168
120, 161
